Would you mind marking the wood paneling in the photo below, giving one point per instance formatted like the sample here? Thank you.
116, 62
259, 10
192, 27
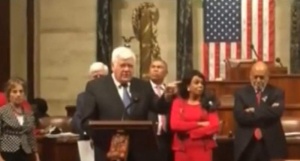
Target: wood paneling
224, 151
289, 83
240, 71
228, 123
4, 41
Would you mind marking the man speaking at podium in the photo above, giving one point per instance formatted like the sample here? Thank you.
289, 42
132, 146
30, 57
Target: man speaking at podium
258, 108
118, 96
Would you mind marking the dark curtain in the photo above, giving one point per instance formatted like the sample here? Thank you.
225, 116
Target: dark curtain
184, 37
295, 38
104, 32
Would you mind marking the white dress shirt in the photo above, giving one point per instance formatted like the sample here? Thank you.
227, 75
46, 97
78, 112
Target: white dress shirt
119, 86
162, 119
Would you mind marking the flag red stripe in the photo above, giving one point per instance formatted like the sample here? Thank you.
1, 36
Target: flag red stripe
217, 60
271, 30
260, 30
227, 51
206, 60
249, 29
238, 50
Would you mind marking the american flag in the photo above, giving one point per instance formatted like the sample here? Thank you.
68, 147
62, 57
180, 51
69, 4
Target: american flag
231, 27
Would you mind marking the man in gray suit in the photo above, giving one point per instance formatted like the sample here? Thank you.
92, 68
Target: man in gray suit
97, 70
119, 96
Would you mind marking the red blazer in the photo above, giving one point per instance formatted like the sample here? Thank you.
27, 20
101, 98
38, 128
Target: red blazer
3, 101
184, 119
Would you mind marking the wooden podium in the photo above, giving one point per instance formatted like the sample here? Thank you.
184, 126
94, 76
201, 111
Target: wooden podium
138, 136
239, 69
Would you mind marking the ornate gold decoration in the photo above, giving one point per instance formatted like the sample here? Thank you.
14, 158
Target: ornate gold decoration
118, 150
144, 21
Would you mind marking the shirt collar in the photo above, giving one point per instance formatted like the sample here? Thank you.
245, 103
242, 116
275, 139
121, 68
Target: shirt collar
117, 83
262, 90
154, 86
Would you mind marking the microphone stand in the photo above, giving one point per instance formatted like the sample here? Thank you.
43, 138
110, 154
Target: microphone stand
254, 51
133, 101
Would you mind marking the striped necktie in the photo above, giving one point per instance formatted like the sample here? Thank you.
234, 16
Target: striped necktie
126, 99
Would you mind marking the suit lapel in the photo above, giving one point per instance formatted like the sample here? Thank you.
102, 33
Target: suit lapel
10, 117
265, 93
115, 97
252, 96
134, 90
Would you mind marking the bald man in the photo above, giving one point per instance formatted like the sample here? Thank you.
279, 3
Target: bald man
258, 108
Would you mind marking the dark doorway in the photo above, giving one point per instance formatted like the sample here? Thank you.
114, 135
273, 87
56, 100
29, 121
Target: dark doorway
4, 42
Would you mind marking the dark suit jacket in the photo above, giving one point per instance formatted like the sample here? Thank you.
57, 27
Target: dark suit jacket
102, 98
14, 136
153, 115
266, 117
76, 120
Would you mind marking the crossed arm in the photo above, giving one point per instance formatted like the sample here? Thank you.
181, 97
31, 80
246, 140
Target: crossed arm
270, 110
194, 129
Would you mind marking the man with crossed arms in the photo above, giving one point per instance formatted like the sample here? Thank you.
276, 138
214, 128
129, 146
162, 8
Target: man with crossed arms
258, 108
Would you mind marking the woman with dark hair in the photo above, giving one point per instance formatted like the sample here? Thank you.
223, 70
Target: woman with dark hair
40, 110
194, 119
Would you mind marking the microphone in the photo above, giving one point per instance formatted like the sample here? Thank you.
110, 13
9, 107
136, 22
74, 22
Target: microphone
134, 100
253, 50
277, 60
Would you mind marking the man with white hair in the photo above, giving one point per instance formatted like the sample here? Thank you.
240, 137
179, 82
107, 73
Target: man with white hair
119, 96
97, 70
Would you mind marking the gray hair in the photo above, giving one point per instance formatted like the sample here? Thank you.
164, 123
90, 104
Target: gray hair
98, 66
122, 52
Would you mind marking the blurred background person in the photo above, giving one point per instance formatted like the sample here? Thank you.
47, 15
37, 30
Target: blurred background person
96, 70
157, 72
17, 138
194, 119
40, 109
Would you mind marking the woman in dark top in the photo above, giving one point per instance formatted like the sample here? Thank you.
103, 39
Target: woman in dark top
40, 109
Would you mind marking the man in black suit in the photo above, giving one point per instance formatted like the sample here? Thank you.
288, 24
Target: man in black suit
258, 108
119, 96
96, 70
157, 73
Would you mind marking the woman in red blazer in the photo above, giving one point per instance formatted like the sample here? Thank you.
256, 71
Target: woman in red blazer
194, 120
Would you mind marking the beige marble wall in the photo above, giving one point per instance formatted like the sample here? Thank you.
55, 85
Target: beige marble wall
282, 30
18, 39
67, 46
66, 41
